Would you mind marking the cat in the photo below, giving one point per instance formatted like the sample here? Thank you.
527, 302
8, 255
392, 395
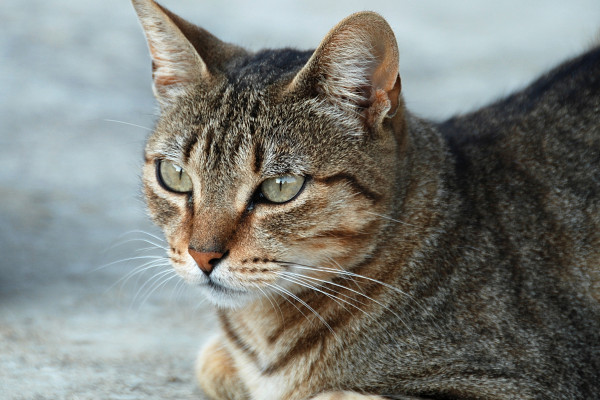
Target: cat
356, 251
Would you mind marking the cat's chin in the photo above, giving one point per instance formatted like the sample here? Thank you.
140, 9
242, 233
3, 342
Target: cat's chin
223, 297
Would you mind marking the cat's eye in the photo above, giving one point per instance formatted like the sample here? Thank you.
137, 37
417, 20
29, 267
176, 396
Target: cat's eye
282, 188
172, 177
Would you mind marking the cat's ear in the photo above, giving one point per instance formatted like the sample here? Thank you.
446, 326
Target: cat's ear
182, 53
356, 68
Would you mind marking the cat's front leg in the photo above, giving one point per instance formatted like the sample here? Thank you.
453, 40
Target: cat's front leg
345, 395
217, 374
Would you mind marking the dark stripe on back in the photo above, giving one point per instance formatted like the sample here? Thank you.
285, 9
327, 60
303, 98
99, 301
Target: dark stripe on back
369, 194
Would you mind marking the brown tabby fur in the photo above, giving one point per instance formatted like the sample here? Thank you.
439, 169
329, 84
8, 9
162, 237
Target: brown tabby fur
458, 260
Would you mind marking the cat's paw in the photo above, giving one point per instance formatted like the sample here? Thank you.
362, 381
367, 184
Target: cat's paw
216, 373
345, 395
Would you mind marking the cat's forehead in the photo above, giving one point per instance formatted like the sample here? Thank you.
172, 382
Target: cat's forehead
264, 68
227, 132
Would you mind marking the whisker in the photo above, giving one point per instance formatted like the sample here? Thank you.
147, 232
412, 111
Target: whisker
177, 292
292, 295
156, 276
147, 266
297, 276
139, 270
148, 249
309, 286
345, 273
334, 297
347, 288
342, 270
128, 123
276, 288
391, 219
156, 245
157, 286
397, 290
155, 239
160, 239
126, 260
268, 297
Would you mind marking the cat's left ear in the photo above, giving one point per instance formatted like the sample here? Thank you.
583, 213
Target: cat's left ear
356, 68
183, 54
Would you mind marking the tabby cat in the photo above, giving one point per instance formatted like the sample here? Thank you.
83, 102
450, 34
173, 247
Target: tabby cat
355, 251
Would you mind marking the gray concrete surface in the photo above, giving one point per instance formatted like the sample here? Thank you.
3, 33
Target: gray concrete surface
70, 208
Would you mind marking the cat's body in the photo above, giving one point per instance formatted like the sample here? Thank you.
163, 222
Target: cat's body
447, 261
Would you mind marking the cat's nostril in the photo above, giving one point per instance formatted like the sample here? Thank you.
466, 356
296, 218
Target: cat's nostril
216, 260
206, 261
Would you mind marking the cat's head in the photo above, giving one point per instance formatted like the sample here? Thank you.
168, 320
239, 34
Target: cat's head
270, 171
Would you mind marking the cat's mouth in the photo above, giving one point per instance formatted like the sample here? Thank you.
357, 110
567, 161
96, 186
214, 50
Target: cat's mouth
217, 287
225, 296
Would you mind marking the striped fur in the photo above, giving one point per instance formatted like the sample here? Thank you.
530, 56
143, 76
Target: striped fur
440, 261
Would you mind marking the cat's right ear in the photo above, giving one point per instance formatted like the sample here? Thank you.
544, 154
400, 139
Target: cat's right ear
182, 53
355, 68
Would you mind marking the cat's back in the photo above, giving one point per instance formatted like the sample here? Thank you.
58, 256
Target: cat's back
553, 123
528, 167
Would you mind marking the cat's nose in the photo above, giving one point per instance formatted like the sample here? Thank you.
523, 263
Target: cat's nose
205, 261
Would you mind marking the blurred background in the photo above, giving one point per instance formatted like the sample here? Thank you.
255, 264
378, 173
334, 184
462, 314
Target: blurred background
75, 108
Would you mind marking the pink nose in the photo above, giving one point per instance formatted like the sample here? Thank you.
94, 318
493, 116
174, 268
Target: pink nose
205, 261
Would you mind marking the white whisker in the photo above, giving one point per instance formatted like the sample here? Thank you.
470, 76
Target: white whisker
344, 273
297, 276
276, 288
129, 259
128, 123
268, 297
336, 299
161, 282
156, 276
390, 219
353, 305
307, 306
307, 285
342, 269
139, 270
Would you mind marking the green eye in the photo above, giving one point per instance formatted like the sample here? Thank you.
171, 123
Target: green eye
282, 188
173, 177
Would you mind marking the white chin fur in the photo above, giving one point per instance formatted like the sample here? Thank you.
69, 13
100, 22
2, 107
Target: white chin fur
231, 300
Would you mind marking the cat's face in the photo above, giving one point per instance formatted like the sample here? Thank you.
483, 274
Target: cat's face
275, 187
262, 184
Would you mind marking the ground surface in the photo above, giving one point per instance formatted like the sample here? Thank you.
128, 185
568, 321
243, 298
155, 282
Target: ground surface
69, 328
